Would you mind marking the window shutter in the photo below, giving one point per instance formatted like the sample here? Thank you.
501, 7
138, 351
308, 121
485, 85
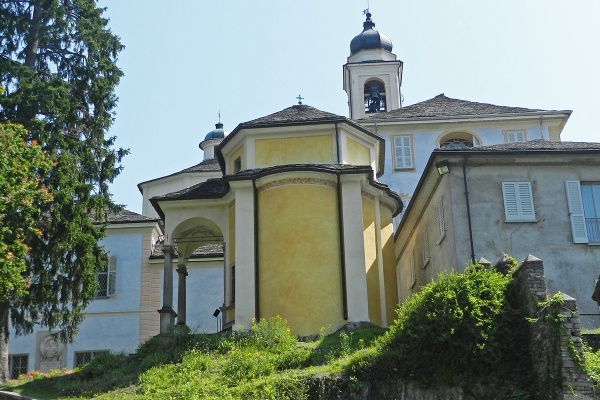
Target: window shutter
518, 201
402, 152
112, 276
525, 200
425, 239
576, 212
413, 274
440, 218
511, 210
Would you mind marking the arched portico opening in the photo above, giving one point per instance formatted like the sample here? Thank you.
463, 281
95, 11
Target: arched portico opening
188, 236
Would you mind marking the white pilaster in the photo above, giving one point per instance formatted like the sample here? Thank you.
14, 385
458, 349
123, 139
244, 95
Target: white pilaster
354, 250
245, 294
380, 262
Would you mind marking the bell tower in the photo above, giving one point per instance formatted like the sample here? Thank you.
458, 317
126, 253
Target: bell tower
372, 74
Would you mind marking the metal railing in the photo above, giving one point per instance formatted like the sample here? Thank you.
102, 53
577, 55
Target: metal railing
593, 229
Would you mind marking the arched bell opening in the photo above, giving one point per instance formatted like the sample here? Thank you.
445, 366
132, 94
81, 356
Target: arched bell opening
374, 97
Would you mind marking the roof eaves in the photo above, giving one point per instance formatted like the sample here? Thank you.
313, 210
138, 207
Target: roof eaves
466, 116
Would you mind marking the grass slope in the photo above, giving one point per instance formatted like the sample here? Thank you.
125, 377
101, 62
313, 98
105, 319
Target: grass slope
460, 331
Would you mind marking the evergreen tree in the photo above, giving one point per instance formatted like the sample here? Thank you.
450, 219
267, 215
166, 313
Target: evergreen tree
58, 69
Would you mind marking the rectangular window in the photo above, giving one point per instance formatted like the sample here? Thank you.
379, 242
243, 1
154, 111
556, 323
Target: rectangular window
590, 194
583, 200
514, 136
17, 365
413, 274
403, 152
84, 357
107, 279
425, 245
518, 202
441, 223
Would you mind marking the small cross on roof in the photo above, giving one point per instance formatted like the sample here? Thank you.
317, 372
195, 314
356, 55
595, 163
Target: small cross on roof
300, 98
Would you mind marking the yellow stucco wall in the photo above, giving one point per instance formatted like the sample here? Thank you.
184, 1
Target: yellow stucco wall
299, 268
357, 153
371, 268
389, 264
238, 153
295, 150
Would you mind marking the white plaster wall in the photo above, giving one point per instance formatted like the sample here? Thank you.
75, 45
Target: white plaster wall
117, 333
128, 249
204, 294
101, 330
570, 268
441, 248
424, 142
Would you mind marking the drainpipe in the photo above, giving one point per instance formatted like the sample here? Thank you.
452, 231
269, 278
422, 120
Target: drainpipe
337, 143
256, 277
541, 131
468, 210
342, 252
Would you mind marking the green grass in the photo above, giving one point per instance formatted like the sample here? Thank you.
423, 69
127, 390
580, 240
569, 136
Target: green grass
461, 330
266, 362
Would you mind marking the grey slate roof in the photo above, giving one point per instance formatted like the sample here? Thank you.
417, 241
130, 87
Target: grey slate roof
205, 251
126, 216
297, 113
442, 106
205, 166
210, 188
210, 165
537, 144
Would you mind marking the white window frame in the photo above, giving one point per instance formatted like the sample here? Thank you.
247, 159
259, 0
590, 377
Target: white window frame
425, 245
514, 133
404, 162
518, 202
440, 219
111, 278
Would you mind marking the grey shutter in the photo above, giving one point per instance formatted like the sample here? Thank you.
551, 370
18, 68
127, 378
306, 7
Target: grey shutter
112, 276
576, 212
518, 201
511, 209
525, 200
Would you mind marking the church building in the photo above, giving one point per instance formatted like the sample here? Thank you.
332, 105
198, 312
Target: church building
311, 216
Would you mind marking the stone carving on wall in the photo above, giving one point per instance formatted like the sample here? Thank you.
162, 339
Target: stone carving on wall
50, 353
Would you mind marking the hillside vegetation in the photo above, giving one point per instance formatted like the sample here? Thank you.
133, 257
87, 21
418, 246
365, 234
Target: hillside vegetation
460, 331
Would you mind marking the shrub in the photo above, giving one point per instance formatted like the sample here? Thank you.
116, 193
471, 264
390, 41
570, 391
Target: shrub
461, 323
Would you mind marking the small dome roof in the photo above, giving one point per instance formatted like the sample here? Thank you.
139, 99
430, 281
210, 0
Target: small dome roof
370, 38
217, 133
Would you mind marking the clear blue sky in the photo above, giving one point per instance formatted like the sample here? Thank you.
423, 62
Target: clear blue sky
187, 59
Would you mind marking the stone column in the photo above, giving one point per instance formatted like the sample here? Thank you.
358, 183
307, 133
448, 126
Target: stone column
167, 315
181, 292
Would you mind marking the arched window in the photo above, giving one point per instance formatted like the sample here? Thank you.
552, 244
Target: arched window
374, 95
458, 140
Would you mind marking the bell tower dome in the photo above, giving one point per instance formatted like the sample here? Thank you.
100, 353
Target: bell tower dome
372, 74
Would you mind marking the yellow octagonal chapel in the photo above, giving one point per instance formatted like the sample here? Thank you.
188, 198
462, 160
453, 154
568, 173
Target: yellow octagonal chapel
305, 224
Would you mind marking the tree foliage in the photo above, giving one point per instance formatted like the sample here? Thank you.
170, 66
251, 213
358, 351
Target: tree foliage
58, 69
21, 198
